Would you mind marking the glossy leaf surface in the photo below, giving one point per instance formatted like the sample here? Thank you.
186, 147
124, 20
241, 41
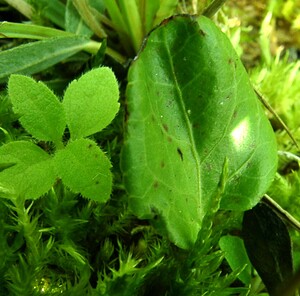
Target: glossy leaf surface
191, 105
268, 245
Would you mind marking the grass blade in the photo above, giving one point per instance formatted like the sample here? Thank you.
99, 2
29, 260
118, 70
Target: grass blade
74, 22
18, 30
88, 16
37, 56
53, 10
132, 18
213, 8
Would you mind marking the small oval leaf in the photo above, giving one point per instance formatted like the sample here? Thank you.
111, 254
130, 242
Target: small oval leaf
236, 256
42, 115
91, 102
30, 172
84, 168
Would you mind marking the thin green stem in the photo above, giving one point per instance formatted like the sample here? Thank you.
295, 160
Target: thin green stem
286, 216
281, 122
211, 10
88, 16
93, 47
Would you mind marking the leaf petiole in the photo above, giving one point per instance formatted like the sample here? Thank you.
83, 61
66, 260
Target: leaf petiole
269, 107
285, 215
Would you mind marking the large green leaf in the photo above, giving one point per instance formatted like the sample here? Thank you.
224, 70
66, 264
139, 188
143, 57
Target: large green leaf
191, 105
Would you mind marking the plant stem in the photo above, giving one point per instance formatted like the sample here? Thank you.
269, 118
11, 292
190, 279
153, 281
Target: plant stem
281, 122
286, 216
28, 225
88, 16
213, 8
93, 47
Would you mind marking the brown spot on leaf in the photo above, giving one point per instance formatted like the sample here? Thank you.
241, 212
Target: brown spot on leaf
169, 139
202, 33
180, 153
162, 164
235, 114
155, 184
231, 61
164, 22
165, 126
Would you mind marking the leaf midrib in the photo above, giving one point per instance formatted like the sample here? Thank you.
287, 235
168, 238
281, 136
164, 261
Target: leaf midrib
187, 121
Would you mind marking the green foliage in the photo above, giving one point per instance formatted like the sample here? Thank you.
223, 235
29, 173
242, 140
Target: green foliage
171, 271
54, 11
171, 109
235, 253
74, 22
28, 171
84, 22
290, 10
85, 119
81, 164
35, 254
38, 108
268, 245
134, 19
85, 169
285, 98
35, 57
55, 242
